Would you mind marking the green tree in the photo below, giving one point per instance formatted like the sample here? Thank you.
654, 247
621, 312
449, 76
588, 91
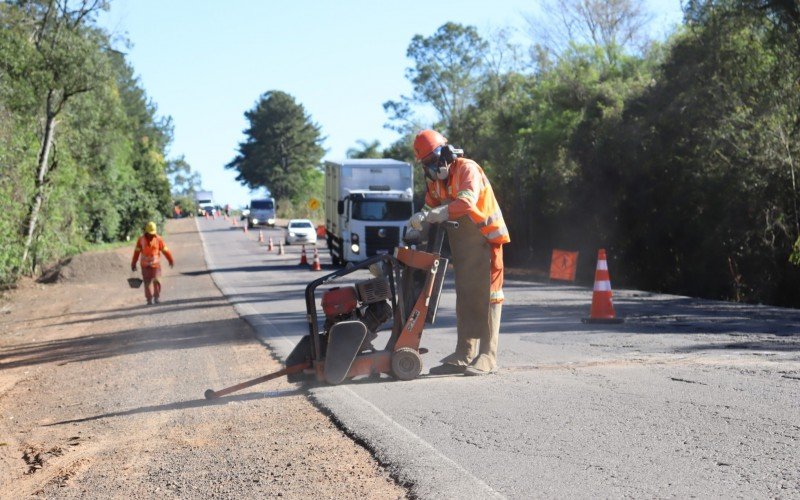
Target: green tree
611, 25
709, 185
282, 146
447, 73
366, 150
184, 180
60, 49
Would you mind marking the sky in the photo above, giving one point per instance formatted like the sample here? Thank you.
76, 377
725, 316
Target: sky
204, 63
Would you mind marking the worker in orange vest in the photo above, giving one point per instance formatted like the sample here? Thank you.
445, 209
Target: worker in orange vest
150, 246
458, 190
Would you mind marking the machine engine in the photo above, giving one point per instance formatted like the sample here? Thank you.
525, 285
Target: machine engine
367, 301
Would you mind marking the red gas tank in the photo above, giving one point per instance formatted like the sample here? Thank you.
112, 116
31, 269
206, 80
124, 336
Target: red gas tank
338, 301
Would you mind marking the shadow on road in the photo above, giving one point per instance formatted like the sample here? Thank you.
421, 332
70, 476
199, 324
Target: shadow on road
679, 315
183, 405
255, 269
77, 349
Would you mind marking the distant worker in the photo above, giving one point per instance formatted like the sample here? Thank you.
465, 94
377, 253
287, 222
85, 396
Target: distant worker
458, 190
150, 245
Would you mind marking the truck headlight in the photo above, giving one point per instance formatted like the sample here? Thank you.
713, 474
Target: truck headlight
355, 248
292, 235
255, 221
270, 221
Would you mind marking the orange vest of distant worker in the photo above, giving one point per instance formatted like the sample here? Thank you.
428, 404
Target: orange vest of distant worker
150, 250
469, 192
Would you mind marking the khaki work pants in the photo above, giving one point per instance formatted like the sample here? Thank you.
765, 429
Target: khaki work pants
477, 321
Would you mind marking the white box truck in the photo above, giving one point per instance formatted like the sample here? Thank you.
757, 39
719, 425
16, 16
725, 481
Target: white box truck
205, 202
368, 203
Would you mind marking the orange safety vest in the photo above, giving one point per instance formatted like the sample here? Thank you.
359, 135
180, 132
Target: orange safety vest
483, 208
151, 250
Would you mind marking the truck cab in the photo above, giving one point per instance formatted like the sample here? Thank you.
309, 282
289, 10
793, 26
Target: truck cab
367, 206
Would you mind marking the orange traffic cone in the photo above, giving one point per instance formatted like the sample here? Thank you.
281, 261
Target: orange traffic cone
280, 248
234, 221
260, 236
269, 247
602, 309
244, 228
303, 259
315, 266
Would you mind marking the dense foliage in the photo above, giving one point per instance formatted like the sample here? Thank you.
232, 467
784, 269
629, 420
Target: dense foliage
82, 150
680, 159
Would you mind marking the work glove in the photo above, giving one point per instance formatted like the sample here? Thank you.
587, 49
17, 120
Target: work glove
412, 235
416, 221
438, 214
133, 267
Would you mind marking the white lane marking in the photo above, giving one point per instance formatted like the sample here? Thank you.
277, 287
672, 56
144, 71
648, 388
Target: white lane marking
381, 414
487, 489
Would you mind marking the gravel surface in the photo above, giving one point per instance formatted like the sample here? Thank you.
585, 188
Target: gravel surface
102, 396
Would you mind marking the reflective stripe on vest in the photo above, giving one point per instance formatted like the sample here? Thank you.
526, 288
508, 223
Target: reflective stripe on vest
150, 251
497, 296
492, 226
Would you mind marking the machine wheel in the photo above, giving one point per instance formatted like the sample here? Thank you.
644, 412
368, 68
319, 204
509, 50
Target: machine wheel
406, 364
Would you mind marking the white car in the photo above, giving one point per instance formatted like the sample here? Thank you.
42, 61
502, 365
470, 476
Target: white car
301, 232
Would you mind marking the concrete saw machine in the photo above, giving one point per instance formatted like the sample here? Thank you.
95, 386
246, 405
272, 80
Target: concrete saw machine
404, 292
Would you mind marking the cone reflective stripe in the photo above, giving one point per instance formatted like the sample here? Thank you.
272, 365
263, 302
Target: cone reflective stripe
269, 248
316, 265
260, 236
303, 259
602, 310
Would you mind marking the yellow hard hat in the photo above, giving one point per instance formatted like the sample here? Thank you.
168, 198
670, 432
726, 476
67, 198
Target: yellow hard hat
150, 228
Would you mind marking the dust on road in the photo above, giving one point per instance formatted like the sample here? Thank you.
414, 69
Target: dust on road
101, 395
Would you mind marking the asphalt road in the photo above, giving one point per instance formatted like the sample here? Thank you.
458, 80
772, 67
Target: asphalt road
687, 398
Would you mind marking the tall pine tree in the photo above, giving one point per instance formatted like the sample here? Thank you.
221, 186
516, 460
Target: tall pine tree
281, 147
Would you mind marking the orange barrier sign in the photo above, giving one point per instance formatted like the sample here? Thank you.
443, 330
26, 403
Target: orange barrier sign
563, 265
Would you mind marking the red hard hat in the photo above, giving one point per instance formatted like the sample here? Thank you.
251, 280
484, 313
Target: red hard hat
427, 141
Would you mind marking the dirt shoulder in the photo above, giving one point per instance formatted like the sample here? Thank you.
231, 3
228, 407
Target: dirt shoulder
102, 395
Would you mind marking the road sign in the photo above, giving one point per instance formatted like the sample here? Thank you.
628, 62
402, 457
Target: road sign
563, 265
313, 204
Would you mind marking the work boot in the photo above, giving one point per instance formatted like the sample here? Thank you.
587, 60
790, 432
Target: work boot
481, 366
149, 302
156, 300
447, 369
